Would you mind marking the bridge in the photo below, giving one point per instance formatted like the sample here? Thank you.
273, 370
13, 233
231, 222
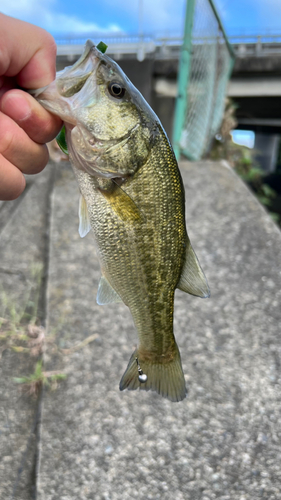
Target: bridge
255, 80
151, 63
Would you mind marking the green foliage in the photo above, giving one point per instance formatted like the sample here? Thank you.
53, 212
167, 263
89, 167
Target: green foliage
34, 382
242, 159
20, 333
37, 376
245, 165
14, 315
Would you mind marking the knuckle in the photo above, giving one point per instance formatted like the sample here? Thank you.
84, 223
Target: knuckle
51, 130
48, 43
4, 60
40, 160
48, 130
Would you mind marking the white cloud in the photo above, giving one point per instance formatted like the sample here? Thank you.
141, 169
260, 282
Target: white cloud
46, 16
157, 15
72, 24
166, 15
23, 9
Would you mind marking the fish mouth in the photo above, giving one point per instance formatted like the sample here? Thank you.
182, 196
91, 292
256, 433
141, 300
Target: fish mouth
62, 95
71, 80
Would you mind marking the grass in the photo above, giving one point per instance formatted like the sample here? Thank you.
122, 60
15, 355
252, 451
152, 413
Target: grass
19, 328
21, 332
33, 383
242, 160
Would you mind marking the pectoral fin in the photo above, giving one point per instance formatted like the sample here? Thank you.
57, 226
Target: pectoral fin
122, 204
193, 280
106, 294
84, 220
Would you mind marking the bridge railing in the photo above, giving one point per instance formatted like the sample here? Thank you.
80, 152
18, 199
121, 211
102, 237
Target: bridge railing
256, 44
163, 47
205, 65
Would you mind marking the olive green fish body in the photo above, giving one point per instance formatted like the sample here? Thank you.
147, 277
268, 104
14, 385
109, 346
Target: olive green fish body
133, 198
142, 257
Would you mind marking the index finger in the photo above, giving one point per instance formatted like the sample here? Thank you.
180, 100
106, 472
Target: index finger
27, 52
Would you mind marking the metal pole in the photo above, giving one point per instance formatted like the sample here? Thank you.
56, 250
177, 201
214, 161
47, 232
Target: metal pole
183, 77
230, 48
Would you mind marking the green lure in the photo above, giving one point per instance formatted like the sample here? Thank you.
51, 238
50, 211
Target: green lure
62, 141
102, 47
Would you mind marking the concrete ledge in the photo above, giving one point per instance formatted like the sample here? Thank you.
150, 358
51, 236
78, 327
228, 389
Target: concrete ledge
23, 247
223, 441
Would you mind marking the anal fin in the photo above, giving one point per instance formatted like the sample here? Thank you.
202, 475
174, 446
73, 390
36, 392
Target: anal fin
106, 294
193, 279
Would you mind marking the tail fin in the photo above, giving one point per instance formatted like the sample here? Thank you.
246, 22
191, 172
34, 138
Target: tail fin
165, 378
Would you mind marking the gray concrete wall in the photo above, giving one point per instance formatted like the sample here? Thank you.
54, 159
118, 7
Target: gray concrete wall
89, 441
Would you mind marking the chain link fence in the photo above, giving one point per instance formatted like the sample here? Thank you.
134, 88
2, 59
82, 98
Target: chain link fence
205, 66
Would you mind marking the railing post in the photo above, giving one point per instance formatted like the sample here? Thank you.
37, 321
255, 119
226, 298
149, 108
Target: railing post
258, 46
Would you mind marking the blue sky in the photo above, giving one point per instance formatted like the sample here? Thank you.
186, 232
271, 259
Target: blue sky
121, 16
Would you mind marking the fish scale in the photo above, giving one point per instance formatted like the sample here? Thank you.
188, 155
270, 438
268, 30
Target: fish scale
133, 199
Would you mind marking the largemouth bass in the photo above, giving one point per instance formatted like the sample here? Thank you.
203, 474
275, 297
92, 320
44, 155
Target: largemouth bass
132, 196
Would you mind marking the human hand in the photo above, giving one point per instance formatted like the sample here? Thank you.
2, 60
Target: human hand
27, 60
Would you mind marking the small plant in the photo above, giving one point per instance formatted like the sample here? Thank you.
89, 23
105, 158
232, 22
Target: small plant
33, 383
242, 159
20, 332
20, 337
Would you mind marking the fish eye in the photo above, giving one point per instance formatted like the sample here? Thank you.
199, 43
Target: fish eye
116, 90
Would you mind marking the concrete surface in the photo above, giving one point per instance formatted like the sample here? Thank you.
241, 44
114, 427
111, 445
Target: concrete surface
223, 441
23, 248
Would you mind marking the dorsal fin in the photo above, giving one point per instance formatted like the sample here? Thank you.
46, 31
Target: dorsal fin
106, 294
84, 220
193, 279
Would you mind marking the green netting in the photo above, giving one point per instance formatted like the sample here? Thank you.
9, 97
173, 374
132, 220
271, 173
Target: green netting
205, 68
